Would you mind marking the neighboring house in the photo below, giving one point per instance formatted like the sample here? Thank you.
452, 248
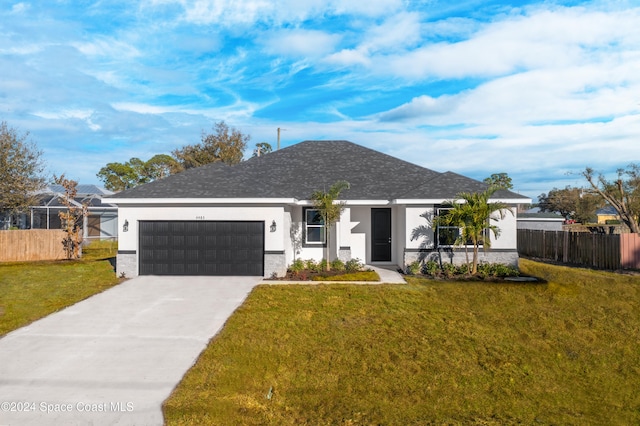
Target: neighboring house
537, 220
256, 217
101, 221
607, 213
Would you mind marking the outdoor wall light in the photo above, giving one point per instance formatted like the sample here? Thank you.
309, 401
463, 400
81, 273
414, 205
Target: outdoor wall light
273, 226
125, 226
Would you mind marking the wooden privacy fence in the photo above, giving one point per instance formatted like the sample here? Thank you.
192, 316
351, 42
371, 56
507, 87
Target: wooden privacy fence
32, 244
602, 251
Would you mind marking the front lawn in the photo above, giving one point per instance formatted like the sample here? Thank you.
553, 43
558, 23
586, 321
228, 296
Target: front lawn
430, 352
30, 291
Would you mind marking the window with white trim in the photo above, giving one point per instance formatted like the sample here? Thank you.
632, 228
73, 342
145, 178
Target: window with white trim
447, 236
314, 227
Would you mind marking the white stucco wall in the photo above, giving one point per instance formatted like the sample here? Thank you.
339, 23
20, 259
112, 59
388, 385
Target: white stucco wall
360, 228
415, 220
508, 238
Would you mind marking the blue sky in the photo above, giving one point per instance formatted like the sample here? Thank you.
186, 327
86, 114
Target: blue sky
536, 89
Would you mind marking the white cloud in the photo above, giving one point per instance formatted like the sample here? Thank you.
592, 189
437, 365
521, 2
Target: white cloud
20, 8
247, 12
349, 57
298, 42
543, 39
398, 32
107, 46
422, 108
70, 114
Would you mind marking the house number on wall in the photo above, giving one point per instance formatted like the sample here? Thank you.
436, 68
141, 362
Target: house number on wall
199, 217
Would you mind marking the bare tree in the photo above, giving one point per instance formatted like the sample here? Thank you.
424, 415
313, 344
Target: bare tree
72, 218
622, 193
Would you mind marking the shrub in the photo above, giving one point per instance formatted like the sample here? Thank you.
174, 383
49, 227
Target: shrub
322, 265
501, 270
311, 265
297, 266
337, 265
414, 267
496, 270
449, 269
464, 269
354, 265
485, 270
431, 268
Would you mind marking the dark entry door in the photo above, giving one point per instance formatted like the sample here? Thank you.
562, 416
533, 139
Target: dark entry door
381, 235
201, 248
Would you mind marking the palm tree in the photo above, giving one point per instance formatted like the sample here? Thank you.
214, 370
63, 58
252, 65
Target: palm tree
324, 202
472, 212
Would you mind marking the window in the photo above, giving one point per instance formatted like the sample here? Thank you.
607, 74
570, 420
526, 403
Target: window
314, 227
447, 236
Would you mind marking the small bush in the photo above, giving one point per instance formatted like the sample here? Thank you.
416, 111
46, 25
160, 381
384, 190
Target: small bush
485, 270
311, 265
354, 265
464, 269
431, 268
337, 265
501, 270
322, 265
414, 267
449, 269
297, 266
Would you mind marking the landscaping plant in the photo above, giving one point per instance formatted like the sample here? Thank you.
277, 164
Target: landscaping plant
472, 213
325, 203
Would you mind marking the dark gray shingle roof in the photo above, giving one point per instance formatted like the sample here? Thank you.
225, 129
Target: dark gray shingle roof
298, 170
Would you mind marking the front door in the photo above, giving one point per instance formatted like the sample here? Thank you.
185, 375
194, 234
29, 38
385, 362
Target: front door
381, 235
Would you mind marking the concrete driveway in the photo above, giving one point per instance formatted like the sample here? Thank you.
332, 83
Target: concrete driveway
115, 357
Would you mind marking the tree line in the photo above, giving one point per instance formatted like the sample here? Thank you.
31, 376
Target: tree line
224, 144
580, 204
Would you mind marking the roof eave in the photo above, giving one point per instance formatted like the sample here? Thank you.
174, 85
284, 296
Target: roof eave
176, 201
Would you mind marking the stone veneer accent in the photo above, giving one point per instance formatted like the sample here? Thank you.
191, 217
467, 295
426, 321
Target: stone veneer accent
275, 262
344, 254
458, 257
127, 263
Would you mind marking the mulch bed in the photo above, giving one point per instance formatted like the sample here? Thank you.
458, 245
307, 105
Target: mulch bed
306, 275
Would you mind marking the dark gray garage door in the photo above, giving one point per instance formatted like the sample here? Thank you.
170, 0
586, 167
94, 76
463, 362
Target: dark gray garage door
201, 248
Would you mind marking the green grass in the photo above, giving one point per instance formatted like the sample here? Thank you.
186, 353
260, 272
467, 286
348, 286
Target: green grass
431, 352
100, 249
352, 276
30, 291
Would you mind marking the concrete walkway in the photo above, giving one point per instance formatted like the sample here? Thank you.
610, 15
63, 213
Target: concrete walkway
115, 357
388, 275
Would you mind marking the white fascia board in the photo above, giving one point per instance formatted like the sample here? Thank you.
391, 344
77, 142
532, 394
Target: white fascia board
350, 202
195, 201
511, 200
422, 201
444, 201
540, 219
